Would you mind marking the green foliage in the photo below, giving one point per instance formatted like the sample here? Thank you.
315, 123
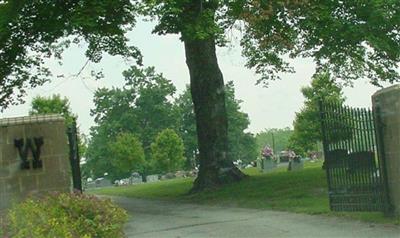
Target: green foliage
57, 105
241, 144
279, 137
142, 108
52, 105
307, 126
349, 39
65, 215
167, 151
302, 191
98, 156
187, 127
33, 31
128, 153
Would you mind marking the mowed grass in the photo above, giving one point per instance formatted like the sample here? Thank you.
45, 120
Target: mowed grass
302, 191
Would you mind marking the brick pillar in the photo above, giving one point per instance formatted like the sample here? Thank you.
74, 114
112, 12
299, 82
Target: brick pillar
387, 102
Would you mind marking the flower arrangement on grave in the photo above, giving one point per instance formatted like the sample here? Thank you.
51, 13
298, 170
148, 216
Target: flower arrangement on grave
293, 157
267, 153
291, 154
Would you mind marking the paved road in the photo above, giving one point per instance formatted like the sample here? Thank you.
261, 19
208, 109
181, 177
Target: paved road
166, 219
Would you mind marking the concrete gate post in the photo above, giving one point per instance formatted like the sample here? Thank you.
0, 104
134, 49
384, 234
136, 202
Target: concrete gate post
387, 103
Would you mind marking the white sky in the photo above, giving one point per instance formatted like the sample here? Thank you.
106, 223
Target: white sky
272, 107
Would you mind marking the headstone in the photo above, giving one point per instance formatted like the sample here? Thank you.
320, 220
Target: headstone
34, 157
168, 176
295, 164
102, 182
266, 165
135, 178
152, 178
180, 174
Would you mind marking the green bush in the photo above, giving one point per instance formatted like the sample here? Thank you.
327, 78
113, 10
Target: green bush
65, 215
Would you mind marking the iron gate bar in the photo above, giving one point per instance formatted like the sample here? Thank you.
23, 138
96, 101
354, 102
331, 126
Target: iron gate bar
352, 159
74, 157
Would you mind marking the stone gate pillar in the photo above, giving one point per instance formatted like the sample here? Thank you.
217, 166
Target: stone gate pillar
34, 157
386, 102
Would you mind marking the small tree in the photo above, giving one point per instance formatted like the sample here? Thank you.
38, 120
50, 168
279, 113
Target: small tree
127, 153
167, 151
52, 105
307, 126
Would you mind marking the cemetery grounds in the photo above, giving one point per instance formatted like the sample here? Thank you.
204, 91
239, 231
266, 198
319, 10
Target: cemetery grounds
303, 191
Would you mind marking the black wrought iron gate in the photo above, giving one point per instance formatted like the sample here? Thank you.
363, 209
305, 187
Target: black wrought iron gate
353, 162
74, 156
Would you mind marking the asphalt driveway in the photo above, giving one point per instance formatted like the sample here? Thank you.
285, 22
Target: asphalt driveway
166, 219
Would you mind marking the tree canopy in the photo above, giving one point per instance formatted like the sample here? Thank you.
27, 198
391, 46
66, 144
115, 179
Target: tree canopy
348, 39
53, 105
167, 151
145, 108
276, 138
307, 127
127, 153
33, 31
242, 144
140, 109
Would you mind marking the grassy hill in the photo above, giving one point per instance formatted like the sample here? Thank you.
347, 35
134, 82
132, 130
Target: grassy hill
302, 191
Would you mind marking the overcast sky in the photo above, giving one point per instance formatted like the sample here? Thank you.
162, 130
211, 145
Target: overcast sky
272, 107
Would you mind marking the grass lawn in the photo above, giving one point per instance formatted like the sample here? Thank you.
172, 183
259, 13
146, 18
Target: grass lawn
302, 191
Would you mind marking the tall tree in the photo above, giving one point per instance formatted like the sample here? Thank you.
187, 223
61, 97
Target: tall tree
350, 39
307, 127
142, 108
187, 127
241, 144
32, 31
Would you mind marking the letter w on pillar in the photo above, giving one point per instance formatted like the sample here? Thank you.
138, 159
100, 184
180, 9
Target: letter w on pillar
23, 146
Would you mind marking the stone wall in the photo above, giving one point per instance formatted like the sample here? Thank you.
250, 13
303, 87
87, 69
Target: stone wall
387, 101
51, 173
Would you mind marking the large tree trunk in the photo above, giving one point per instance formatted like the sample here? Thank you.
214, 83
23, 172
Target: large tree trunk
207, 88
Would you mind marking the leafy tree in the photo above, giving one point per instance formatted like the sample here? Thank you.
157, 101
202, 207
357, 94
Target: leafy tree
275, 137
246, 148
241, 144
57, 105
349, 39
52, 105
32, 31
167, 151
141, 108
127, 154
187, 127
307, 127
98, 156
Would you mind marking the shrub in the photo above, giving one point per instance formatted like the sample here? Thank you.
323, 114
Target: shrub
65, 215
